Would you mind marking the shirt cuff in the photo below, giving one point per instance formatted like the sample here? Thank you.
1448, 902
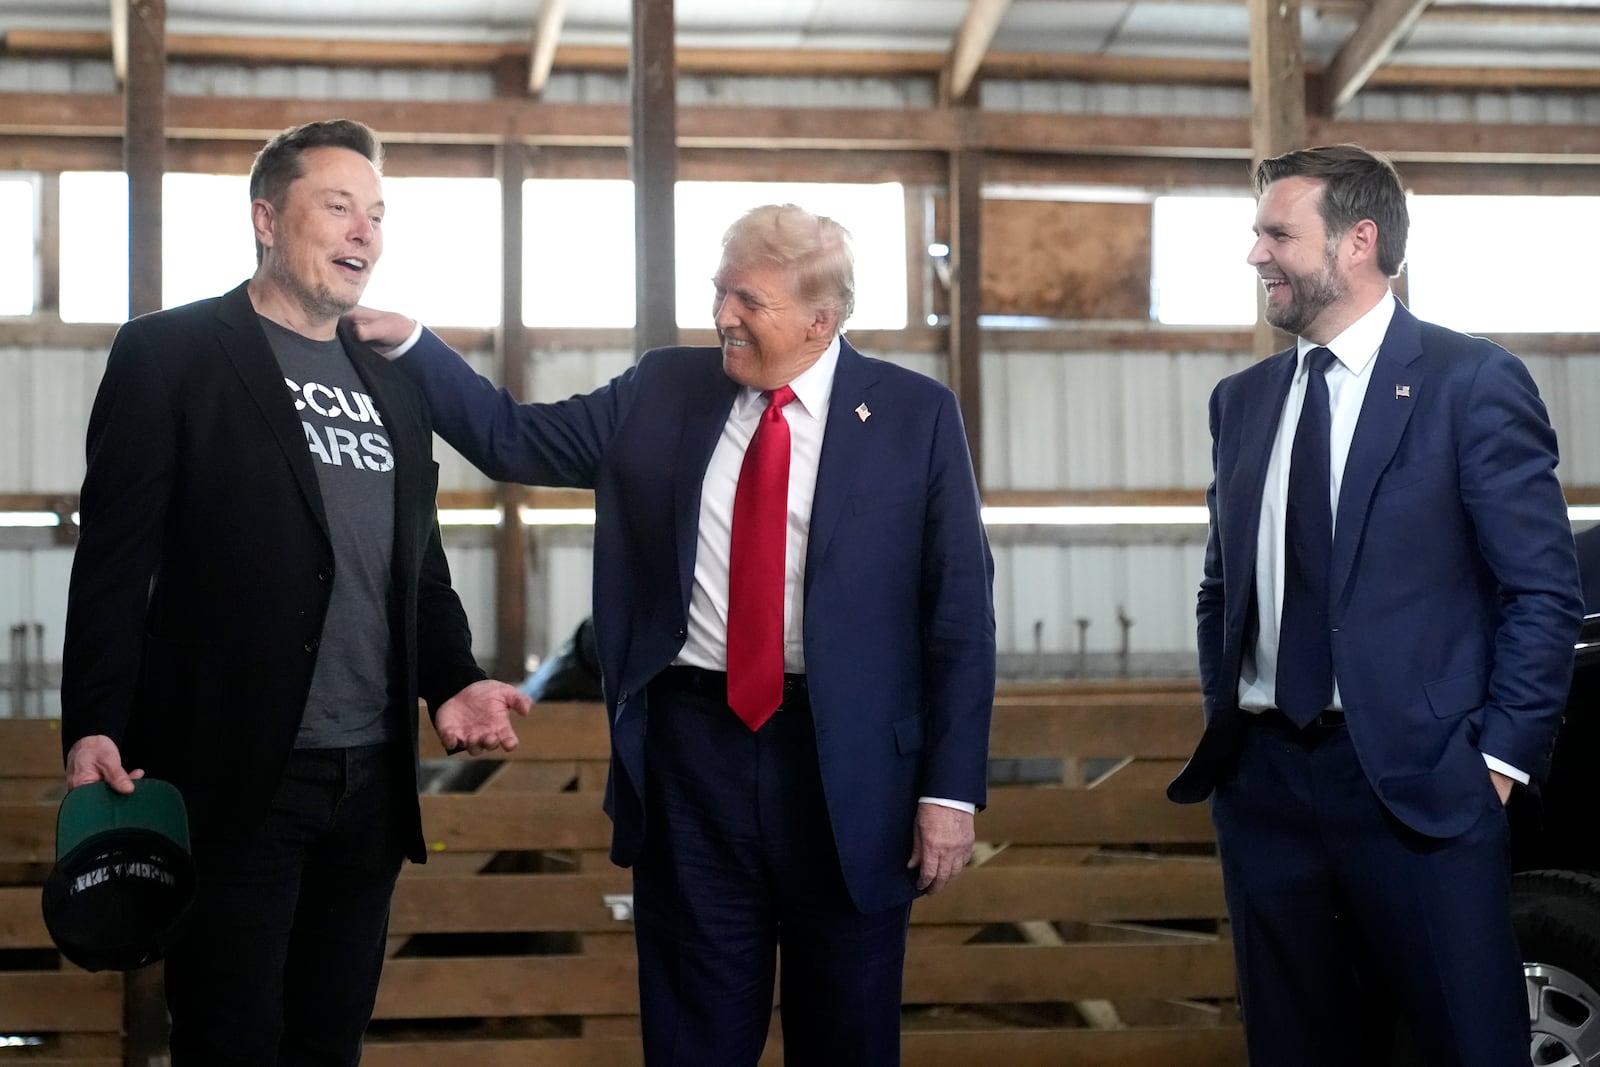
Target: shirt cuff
1505, 769
403, 347
959, 805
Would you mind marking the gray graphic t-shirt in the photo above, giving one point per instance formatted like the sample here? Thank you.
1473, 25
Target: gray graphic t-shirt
355, 468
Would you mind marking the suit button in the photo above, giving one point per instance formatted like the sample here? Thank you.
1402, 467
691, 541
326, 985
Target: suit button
324, 574
622, 697
680, 633
311, 645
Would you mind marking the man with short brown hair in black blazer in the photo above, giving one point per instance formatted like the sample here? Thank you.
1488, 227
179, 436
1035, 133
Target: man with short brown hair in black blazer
258, 599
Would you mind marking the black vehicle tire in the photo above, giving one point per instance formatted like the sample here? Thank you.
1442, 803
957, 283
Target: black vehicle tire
1556, 915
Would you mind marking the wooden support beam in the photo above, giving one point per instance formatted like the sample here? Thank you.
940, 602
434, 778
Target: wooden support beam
1277, 108
967, 51
966, 288
542, 52
47, 294
1367, 48
450, 127
653, 159
144, 149
511, 355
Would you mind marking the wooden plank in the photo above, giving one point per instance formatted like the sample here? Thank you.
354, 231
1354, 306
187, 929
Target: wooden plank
1182, 889
1384, 25
31, 748
464, 822
968, 49
1213, 1046
27, 833
1024, 974
495, 903
21, 922
438, 988
1099, 728
51, 1001
1210, 1046
1179, 889
434, 988
542, 50
1030, 816
718, 126
548, 1052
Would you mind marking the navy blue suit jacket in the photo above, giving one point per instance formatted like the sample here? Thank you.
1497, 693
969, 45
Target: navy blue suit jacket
899, 613
1454, 588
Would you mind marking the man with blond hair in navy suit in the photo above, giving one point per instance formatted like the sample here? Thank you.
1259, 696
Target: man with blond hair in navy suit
804, 803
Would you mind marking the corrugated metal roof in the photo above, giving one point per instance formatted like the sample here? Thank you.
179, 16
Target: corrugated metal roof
1553, 34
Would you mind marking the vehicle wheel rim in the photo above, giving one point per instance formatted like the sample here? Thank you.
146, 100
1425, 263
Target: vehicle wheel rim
1564, 1014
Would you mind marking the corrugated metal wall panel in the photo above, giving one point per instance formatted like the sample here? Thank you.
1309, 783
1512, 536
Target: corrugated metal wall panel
45, 406
1043, 588
327, 83
566, 569
748, 91
470, 552
33, 589
19, 75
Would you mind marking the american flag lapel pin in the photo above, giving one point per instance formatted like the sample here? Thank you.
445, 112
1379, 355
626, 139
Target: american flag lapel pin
1402, 392
863, 412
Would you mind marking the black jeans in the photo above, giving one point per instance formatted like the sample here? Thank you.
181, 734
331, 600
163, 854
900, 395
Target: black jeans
279, 964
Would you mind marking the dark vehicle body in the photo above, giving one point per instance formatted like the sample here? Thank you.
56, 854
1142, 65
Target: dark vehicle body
1555, 852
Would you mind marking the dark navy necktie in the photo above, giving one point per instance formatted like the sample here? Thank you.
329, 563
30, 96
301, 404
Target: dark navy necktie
1305, 652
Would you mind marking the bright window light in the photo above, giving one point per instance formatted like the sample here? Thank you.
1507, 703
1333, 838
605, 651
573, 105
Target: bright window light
1199, 276
578, 238
17, 252
577, 253
207, 246
1551, 288
875, 215
441, 251
440, 264
94, 246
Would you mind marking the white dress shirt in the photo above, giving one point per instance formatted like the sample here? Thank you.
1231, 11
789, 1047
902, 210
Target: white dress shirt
807, 414
1355, 350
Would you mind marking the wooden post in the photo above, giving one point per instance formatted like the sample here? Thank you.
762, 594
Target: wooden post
1277, 111
511, 355
653, 160
966, 287
144, 149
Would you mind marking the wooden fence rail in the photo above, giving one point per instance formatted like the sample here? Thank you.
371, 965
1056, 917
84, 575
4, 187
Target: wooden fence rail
1089, 932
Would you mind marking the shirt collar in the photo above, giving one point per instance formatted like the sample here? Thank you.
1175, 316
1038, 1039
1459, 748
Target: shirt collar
812, 386
1359, 343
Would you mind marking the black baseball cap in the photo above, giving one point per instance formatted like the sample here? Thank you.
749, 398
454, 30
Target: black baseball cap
123, 879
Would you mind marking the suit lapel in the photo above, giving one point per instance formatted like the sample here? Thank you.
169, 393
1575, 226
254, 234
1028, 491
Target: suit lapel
1249, 473
247, 349
845, 441
1383, 419
702, 417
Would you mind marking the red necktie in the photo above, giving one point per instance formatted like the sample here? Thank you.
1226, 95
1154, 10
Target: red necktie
755, 568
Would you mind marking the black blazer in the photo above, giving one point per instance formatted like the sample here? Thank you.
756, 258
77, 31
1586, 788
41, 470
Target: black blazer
204, 569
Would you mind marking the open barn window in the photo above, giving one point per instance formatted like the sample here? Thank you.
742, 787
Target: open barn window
1512, 264
17, 253
578, 263
1198, 273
